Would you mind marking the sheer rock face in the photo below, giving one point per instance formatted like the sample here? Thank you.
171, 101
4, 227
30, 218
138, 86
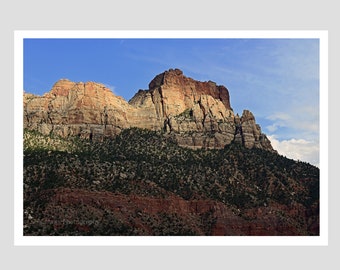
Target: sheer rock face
249, 133
172, 93
197, 114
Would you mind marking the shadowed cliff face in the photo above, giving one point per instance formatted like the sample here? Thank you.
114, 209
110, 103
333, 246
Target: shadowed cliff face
197, 114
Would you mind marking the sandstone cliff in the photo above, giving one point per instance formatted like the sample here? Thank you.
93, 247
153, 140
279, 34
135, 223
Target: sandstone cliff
197, 114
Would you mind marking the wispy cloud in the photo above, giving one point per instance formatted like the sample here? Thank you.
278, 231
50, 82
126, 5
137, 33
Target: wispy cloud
303, 120
277, 79
111, 87
279, 116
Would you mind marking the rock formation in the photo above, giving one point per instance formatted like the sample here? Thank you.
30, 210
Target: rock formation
198, 114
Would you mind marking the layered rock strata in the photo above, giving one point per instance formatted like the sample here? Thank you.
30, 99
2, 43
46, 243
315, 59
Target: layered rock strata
198, 114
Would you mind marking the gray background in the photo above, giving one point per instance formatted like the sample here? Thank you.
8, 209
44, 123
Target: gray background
162, 15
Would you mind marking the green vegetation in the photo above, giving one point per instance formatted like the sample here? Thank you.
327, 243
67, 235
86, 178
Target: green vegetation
150, 164
185, 115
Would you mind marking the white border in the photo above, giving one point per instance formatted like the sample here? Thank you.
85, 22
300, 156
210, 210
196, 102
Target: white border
322, 34
18, 135
21, 240
323, 109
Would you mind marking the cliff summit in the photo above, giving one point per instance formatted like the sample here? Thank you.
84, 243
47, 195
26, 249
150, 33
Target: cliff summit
197, 114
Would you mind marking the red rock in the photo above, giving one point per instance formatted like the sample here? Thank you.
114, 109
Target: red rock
263, 221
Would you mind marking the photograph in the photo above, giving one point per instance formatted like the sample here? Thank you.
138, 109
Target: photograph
172, 136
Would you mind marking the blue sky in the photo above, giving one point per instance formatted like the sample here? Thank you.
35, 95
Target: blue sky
276, 79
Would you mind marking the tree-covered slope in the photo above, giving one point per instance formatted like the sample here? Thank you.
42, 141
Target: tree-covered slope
142, 183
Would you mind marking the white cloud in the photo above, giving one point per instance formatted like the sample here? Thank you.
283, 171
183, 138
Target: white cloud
111, 87
279, 119
273, 127
279, 116
291, 121
297, 149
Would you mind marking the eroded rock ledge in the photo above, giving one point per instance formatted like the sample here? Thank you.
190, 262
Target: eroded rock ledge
198, 114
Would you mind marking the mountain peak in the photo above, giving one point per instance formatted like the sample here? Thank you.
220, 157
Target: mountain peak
62, 87
180, 92
197, 114
160, 78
